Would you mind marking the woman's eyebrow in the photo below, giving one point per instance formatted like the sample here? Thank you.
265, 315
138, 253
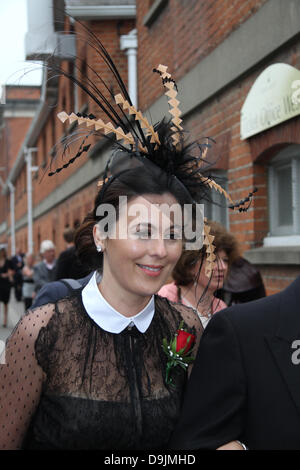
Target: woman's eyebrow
141, 226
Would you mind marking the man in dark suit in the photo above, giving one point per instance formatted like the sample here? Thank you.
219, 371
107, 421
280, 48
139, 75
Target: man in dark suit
68, 264
245, 383
17, 265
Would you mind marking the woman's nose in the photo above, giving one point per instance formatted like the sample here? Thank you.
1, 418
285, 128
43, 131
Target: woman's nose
158, 247
222, 265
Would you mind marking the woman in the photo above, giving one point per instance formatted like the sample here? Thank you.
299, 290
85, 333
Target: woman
28, 283
6, 280
95, 360
191, 285
95, 370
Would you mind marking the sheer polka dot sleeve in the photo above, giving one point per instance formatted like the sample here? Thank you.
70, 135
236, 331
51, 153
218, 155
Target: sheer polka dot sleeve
21, 378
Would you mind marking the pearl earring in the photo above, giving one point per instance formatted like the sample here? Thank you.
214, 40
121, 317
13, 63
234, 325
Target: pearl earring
99, 248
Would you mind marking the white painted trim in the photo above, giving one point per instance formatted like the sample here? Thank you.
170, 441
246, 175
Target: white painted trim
19, 113
103, 12
288, 240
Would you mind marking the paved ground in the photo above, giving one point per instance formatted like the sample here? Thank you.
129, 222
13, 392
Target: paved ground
15, 311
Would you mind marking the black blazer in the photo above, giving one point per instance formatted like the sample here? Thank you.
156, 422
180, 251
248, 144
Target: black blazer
245, 383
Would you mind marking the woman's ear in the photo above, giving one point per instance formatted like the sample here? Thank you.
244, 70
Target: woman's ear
99, 242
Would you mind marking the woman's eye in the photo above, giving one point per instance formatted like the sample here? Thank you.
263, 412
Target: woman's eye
144, 234
174, 236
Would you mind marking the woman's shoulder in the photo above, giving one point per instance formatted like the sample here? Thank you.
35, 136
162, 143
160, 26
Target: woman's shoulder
30, 324
40, 315
183, 312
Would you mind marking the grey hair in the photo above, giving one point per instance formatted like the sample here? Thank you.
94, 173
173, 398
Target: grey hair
46, 245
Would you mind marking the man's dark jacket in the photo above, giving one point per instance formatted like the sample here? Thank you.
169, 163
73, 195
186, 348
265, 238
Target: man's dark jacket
245, 384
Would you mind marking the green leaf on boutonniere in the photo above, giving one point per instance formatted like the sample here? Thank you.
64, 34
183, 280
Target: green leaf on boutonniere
178, 351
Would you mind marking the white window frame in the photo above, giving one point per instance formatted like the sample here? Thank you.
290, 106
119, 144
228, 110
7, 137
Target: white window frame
218, 213
290, 234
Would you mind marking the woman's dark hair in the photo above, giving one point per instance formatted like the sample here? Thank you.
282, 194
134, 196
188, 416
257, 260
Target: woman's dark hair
183, 273
68, 235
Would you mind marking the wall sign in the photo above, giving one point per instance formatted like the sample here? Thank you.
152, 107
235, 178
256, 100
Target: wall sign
273, 98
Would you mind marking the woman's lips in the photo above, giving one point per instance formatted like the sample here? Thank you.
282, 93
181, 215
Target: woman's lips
151, 270
218, 278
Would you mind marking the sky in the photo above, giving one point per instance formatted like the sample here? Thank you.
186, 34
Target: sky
13, 27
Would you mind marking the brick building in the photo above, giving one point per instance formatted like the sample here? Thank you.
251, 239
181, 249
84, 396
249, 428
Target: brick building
234, 69
19, 105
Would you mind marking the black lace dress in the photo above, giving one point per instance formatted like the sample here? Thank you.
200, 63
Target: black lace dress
68, 384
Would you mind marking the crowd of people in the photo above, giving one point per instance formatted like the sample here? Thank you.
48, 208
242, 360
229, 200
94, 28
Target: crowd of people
25, 276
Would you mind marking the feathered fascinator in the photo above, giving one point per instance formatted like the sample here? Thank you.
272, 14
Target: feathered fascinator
138, 141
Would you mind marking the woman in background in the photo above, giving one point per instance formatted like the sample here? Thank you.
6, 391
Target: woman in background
191, 286
6, 280
28, 283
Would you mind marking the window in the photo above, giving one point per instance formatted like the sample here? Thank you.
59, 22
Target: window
284, 192
217, 210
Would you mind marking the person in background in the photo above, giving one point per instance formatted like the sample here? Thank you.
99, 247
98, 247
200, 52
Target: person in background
18, 263
28, 283
45, 270
68, 264
191, 286
6, 280
243, 283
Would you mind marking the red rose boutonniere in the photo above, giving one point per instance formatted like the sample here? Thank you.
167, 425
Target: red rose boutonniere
178, 351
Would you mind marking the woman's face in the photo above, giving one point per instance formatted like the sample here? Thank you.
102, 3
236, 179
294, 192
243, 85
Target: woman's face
139, 263
218, 274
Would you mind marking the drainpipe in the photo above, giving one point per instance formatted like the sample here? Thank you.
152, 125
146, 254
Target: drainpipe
128, 43
12, 217
29, 170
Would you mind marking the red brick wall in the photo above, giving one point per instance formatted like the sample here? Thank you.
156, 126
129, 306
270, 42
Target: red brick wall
247, 160
110, 32
12, 136
22, 92
68, 213
52, 224
184, 33
277, 278
16, 129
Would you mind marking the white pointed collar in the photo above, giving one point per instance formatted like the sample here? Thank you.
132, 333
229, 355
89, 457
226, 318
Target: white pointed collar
107, 317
